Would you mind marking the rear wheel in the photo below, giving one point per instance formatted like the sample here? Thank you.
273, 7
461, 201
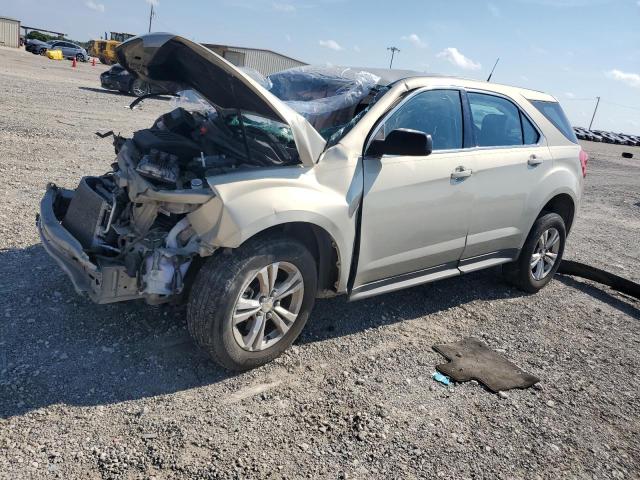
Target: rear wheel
246, 307
540, 256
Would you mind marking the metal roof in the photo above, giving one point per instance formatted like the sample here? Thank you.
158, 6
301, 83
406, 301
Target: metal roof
10, 19
227, 47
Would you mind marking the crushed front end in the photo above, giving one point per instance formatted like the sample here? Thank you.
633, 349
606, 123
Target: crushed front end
126, 234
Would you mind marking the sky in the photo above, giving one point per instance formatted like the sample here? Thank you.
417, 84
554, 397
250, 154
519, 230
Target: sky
574, 49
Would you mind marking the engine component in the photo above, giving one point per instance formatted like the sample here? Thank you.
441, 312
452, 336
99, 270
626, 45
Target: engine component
160, 166
91, 212
196, 183
177, 121
166, 141
164, 269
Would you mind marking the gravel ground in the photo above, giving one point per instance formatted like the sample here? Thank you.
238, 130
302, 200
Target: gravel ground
120, 391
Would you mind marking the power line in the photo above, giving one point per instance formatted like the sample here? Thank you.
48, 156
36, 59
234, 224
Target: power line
620, 105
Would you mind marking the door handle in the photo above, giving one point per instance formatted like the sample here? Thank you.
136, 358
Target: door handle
461, 173
534, 160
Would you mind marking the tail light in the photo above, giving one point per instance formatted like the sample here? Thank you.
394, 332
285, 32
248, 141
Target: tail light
584, 159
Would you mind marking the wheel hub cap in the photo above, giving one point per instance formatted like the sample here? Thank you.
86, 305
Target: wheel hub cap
268, 306
545, 254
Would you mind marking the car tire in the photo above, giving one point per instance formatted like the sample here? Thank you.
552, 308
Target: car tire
229, 286
140, 88
533, 270
80, 57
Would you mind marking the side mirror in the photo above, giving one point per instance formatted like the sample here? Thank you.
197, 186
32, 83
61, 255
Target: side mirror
402, 141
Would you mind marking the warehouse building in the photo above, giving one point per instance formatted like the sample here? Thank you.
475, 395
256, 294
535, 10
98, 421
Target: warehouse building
9, 32
264, 61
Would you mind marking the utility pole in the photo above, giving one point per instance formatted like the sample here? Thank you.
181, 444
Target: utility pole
151, 15
393, 52
594, 112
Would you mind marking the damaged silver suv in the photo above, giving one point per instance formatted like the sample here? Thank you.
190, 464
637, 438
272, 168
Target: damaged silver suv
272, 192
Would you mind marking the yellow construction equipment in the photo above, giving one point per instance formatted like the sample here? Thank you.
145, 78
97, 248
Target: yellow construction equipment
105, 50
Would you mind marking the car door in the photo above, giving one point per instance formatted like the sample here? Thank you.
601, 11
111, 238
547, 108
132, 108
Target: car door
415, 216
512, 160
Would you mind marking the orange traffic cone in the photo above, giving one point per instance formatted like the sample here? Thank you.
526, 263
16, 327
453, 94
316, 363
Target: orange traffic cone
93, 62
74, 63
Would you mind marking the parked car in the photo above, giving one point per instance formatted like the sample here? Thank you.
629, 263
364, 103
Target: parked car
596, 136
325, 181
69, 50
35, 46
118, 78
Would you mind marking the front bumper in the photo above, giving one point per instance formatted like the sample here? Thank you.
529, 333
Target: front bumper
103, 283
111, 83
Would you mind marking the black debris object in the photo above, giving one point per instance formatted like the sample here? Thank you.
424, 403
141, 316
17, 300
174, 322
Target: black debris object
470, 359
627, 155
569, 267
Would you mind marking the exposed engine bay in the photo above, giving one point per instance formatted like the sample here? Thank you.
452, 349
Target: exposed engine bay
145, 247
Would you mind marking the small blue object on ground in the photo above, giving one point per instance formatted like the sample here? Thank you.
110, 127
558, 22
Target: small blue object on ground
443, 379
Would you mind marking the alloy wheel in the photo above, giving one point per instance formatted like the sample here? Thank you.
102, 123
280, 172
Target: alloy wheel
545, 254
268, 306
140, 88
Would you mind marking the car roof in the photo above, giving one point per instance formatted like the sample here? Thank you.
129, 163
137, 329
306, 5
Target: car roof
390, 76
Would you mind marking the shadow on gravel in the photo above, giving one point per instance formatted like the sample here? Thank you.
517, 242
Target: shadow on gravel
337, 317
618, 302
57, 347
104, 90
121, 94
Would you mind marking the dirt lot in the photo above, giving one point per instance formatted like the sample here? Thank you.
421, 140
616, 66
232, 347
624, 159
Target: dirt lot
120, 391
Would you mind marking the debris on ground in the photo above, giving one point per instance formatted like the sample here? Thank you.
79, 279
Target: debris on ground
473, 360
443, 379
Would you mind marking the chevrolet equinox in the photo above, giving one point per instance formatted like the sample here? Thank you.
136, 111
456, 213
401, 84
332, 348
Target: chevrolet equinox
258, 195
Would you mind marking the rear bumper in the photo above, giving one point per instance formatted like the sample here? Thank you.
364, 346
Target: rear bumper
102, 283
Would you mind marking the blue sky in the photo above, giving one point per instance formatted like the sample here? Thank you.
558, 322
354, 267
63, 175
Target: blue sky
573, 49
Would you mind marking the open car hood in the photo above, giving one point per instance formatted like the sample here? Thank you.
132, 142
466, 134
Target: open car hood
176, 64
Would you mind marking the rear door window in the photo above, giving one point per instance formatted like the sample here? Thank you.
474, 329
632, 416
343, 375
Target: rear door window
529, 134
435, 112
496, 121
554, 113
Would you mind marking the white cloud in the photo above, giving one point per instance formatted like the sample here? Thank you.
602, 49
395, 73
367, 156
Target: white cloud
455, 57
356, 49
570, 95
287, 37
415, 40
494, 10
98, 7
631, 79
284, 7
331, 44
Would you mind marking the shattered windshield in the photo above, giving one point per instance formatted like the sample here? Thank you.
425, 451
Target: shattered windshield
328, 97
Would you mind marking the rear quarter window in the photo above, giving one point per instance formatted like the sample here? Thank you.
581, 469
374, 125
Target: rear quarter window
554, 113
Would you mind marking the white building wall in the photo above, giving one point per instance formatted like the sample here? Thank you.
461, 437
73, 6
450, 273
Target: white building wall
9, 32
266, 62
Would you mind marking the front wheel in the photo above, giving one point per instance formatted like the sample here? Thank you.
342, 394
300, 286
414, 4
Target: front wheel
140, 88
248, 305
540, 256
